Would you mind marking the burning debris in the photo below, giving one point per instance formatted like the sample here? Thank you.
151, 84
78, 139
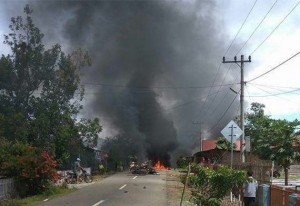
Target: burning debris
159, 166
147, 167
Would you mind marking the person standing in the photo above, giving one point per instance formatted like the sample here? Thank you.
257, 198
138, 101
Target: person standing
250, 187
101, 169
77, 169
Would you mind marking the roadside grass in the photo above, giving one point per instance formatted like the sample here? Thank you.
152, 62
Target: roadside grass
52, 192
291, 177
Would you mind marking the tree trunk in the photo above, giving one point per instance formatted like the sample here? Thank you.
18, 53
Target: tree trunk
286, 176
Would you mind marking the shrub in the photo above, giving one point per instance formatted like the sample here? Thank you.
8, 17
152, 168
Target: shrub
32, 168
210, 186
213, 202
183, 161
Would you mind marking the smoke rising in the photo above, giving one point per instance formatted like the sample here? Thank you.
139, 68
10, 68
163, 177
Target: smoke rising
148, 56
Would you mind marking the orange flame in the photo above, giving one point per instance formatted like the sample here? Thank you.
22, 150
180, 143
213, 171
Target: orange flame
159, 166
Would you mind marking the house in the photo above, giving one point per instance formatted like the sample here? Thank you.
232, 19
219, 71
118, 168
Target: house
211, 156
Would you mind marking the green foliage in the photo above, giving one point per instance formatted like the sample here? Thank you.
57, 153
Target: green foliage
119, 150
223, 143
183, 161
210, 183
10, 203
89, 130
272, 139
40, 93
52, 191
213, 202
33, 168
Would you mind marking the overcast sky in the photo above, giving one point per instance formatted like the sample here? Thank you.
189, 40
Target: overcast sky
274, 41
282, 44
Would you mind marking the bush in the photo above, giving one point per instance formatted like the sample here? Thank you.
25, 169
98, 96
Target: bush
212, 185
32, 168
183, 162
213, 202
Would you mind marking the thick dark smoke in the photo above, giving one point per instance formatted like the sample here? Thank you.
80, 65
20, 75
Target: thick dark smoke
146, 55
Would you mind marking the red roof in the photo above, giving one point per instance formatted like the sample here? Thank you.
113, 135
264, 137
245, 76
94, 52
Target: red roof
208, 144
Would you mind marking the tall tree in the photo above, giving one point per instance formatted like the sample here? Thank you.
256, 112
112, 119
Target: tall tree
40, 91
273, 139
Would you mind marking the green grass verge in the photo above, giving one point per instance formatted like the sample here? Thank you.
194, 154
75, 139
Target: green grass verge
292, 177
51, 193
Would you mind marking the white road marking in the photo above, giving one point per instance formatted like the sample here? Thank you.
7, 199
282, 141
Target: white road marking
45, 200
98, 203
134, 177
122, 186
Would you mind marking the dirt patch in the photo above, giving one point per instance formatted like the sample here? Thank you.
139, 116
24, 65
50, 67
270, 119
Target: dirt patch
175, 188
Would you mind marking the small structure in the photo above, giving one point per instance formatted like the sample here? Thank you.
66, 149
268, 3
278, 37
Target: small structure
211, 156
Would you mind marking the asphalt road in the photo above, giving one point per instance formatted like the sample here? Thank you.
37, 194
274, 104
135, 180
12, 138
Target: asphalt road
119, 189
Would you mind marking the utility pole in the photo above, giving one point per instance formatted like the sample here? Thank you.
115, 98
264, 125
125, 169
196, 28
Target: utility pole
242, 61
200, 134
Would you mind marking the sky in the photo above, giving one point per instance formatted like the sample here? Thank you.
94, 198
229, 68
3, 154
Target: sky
224, 27
282, 44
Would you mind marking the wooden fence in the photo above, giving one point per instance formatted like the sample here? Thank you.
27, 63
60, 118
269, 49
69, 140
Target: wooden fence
6, 188
280, 195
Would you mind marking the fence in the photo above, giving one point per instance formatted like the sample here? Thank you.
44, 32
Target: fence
6, 187
280, 195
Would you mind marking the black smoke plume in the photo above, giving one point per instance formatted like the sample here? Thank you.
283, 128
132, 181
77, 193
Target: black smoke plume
148, 57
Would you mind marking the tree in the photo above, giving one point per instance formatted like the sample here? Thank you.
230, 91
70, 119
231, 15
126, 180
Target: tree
89, 130
33, 169
272, 139
120, 150
40, 92
223, 143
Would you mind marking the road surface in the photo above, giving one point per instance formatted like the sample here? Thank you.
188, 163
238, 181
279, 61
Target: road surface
121, 189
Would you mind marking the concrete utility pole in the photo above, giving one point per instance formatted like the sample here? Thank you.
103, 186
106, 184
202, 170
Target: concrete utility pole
242, 61
200, 134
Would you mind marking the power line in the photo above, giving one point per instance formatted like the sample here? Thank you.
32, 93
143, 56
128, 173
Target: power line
240, 28
242, 114
154, 87
226, 53
288, 100
273, 86
274, 67
277, 94
222, 99
208, 94
202, 108
275, 28
186, 103
257, 27
223, 114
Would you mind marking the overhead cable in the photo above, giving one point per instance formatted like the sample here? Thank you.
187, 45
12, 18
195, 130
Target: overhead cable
155, 87
274, 67
256, 27
273, 86
240, 28
275, 28
223, 113
277, 96
225, 55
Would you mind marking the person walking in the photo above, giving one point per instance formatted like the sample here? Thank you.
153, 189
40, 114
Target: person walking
250, 187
